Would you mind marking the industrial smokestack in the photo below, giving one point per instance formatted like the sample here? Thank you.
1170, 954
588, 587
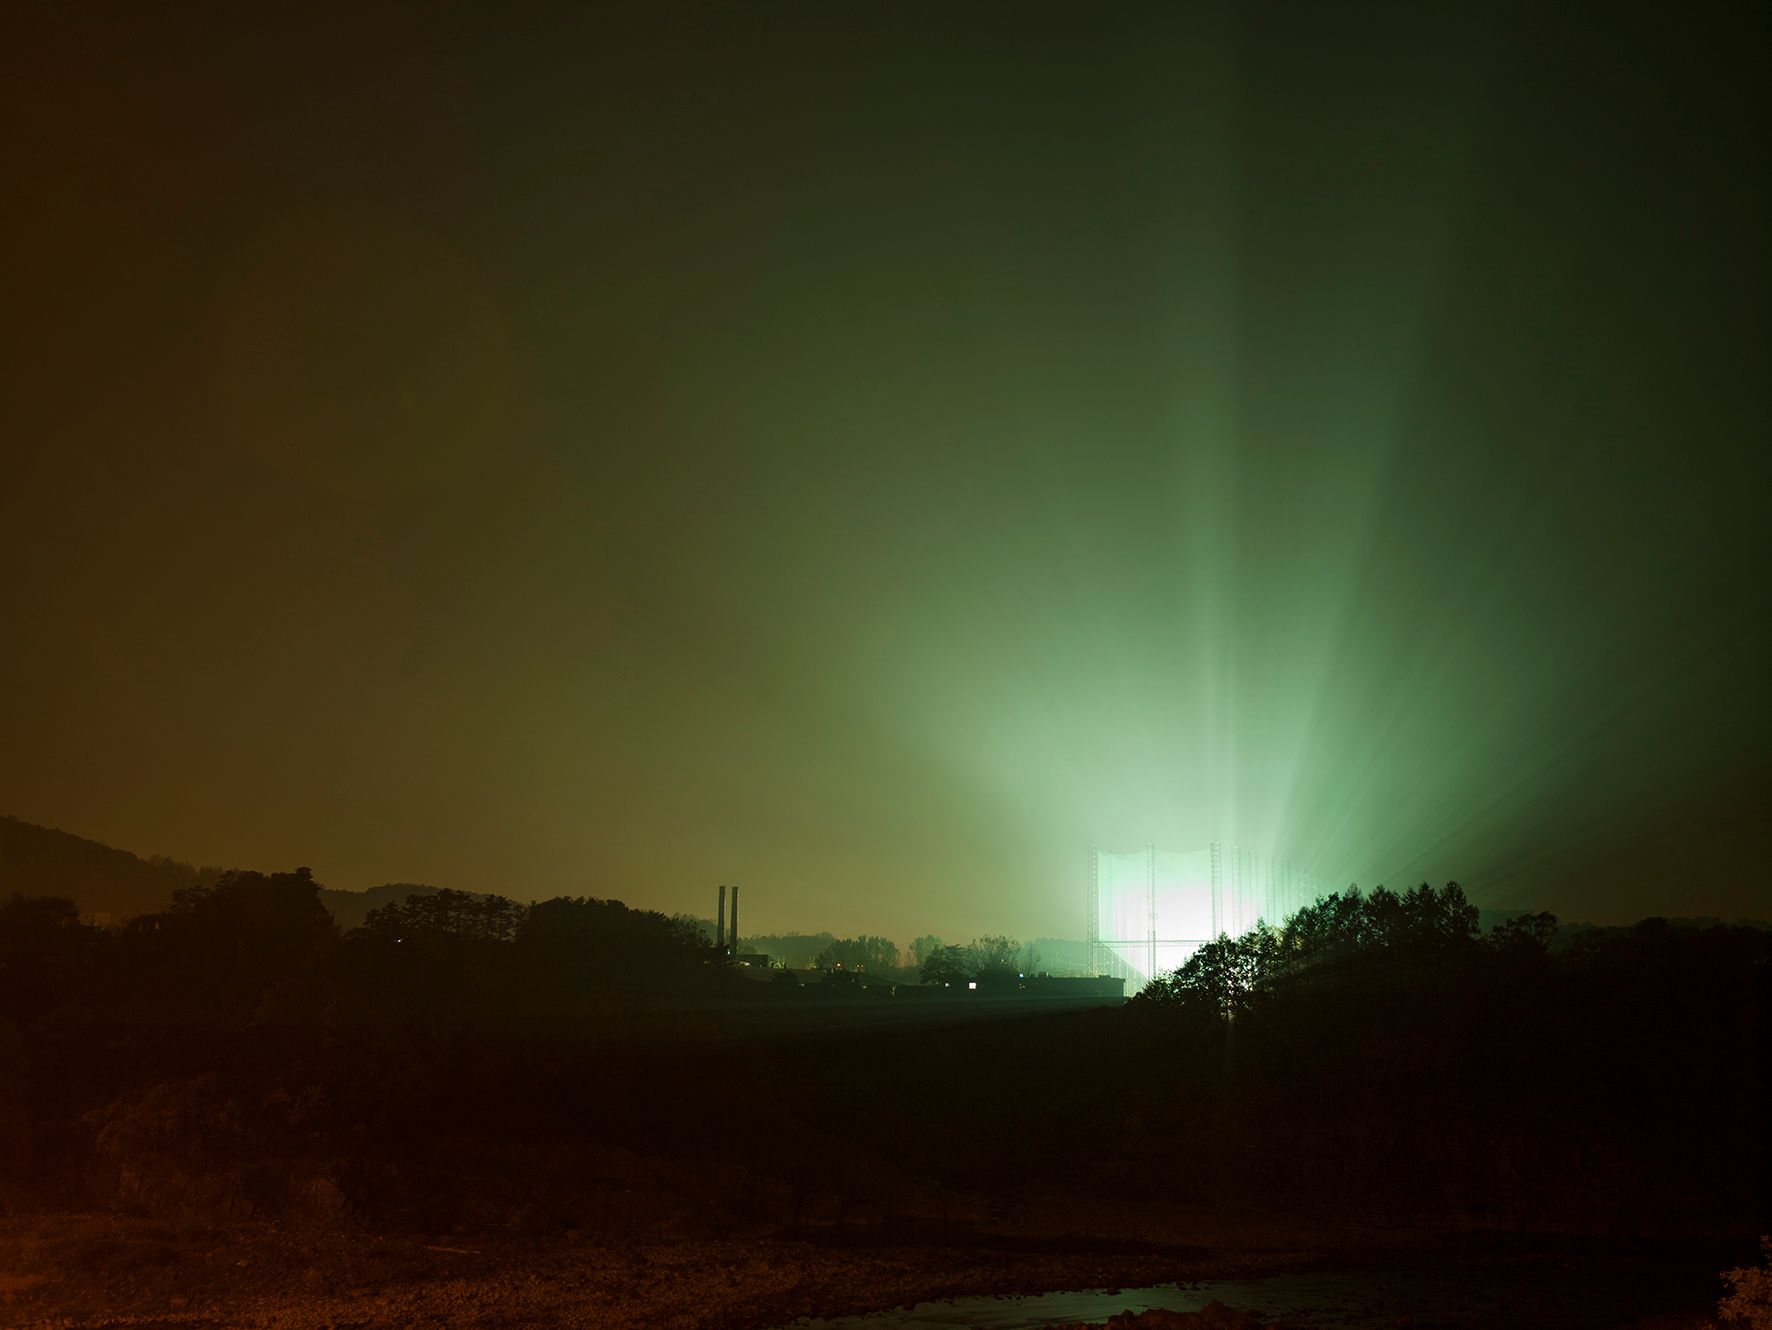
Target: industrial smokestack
720, 921
734, 921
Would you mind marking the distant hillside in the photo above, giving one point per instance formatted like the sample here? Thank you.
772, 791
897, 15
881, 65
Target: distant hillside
105, 881
41, 861
351, 908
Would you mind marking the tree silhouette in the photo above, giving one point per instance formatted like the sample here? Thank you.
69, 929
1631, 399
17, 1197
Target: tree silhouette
994, 954
236, 937
876, 955
949, 965
444, 917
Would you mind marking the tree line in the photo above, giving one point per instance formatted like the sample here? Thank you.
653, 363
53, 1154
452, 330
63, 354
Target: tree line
1344, 929
456, 1052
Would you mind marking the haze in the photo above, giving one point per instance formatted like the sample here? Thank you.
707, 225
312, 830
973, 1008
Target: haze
871, 454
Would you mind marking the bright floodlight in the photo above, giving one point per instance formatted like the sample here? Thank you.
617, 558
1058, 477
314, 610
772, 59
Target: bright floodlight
1150, 909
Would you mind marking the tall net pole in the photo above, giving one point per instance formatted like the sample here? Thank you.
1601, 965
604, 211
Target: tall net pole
1217, 893
1094, 933
1150, 895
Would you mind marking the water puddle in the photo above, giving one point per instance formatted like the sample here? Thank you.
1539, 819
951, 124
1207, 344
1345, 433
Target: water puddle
1448, 1299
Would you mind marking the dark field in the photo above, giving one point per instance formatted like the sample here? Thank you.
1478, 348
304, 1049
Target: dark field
231, 1114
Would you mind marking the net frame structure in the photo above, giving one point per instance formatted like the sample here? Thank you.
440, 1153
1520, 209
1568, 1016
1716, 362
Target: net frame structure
1149, 909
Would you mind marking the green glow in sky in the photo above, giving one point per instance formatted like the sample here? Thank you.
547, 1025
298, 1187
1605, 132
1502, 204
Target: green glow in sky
872, 453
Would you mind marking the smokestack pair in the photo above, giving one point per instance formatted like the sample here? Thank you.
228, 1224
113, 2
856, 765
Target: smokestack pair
720, 922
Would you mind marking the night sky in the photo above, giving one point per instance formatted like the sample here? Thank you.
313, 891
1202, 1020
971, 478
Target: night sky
871, 452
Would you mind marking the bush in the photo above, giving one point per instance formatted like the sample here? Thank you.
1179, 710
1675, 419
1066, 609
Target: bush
1749, 1301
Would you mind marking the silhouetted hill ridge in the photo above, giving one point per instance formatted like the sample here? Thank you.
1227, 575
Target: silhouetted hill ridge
113, 885
99, 878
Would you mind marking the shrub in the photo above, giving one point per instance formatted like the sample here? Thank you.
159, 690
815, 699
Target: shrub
1749, 1301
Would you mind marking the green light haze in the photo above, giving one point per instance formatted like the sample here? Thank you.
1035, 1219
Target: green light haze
869, 453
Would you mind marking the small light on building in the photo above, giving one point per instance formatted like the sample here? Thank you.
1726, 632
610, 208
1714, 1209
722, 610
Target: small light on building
972, 983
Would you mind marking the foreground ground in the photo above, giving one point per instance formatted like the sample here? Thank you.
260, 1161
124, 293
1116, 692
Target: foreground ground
113, 1269
98, 1269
